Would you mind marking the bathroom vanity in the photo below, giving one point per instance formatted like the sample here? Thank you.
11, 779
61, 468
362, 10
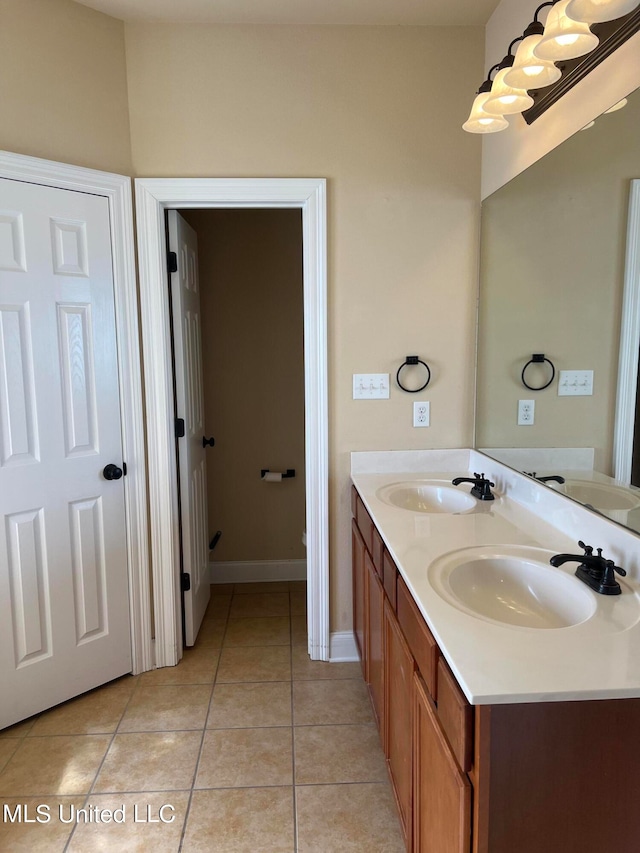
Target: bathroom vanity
508, 709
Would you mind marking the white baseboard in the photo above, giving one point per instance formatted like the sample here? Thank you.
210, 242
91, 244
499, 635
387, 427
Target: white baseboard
238, 571
342, 647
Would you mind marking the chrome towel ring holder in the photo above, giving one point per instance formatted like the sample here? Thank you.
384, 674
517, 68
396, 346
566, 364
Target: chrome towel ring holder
538, 358
408, 362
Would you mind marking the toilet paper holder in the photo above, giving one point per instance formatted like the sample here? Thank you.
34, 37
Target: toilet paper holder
286, 475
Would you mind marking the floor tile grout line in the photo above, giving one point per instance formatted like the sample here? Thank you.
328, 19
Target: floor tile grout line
204, 733
100, 766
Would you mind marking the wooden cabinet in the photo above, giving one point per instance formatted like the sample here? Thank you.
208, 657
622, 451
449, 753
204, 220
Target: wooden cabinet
558, 777
358, 577
442, 792
375, 640
399, 668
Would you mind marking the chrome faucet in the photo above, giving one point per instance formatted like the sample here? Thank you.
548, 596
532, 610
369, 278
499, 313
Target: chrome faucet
595, 570
481, 487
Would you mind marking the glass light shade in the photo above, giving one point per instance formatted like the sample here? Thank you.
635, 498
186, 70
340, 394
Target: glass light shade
529, 72
597, 11
505, 100
481, 122
563, 37
587, 126
616, 107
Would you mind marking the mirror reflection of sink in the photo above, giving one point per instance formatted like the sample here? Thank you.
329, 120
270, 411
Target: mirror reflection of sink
601, 496
512, 585
431, 496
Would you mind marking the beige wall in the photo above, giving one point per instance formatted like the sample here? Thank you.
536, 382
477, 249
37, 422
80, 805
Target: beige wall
377, 111
552, 272
252, 332
64, 89
508, 153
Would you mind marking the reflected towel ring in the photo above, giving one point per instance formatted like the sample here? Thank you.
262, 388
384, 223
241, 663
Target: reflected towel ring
538, 358
412, 360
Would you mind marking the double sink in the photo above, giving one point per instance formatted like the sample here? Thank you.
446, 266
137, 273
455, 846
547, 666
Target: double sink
510, 585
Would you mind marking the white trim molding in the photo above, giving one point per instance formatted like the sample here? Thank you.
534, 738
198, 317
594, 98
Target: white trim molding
343, 647
241, 571
629, 345
117, 190
153, 197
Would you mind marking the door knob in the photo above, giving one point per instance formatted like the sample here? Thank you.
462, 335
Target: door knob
208, 441
112, 472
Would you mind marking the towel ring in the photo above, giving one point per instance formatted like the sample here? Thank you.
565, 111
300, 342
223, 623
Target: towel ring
538, 358
409, 361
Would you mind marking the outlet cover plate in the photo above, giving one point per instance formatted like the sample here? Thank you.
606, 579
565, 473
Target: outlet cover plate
421, 413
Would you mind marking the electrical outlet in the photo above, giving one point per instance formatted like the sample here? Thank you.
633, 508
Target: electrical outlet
526, 412
421, 414
370, 386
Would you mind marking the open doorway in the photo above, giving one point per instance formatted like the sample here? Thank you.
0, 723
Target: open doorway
153, 198
241, 464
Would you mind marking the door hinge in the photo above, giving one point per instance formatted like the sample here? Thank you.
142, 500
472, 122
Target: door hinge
124, 468
179, 427
172, 261
185, 581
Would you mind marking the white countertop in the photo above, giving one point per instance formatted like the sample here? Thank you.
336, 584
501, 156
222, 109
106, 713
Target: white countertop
496, 663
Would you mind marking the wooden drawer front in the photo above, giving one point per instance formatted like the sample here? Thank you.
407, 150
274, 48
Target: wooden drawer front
364, 523
456, 716
377, 553
419, 638
390, 579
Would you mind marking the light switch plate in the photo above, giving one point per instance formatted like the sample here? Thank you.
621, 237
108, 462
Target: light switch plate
575, 383
370, 386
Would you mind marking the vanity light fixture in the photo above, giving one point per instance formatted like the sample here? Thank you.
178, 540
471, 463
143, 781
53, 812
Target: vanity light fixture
598, 11
505, 99
528, 70
550, 55
564, 37
479, 120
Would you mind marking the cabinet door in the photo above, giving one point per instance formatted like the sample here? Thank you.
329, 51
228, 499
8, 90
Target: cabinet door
398, 687
359, 610
375, 640
442, 793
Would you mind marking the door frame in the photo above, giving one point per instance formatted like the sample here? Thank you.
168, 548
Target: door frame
629, 344
117, 190
153, 197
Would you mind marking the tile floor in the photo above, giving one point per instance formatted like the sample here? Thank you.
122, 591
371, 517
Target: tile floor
247, 744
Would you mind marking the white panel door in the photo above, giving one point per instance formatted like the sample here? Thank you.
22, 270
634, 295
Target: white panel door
187, 345
64, 606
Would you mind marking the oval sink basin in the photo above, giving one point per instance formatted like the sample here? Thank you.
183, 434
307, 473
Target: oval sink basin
602, 496
514, 588
427, 496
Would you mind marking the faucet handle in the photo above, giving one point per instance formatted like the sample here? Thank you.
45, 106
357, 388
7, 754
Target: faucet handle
608, 584
588, 550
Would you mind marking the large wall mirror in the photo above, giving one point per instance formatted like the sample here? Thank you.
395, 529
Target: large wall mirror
554, 267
